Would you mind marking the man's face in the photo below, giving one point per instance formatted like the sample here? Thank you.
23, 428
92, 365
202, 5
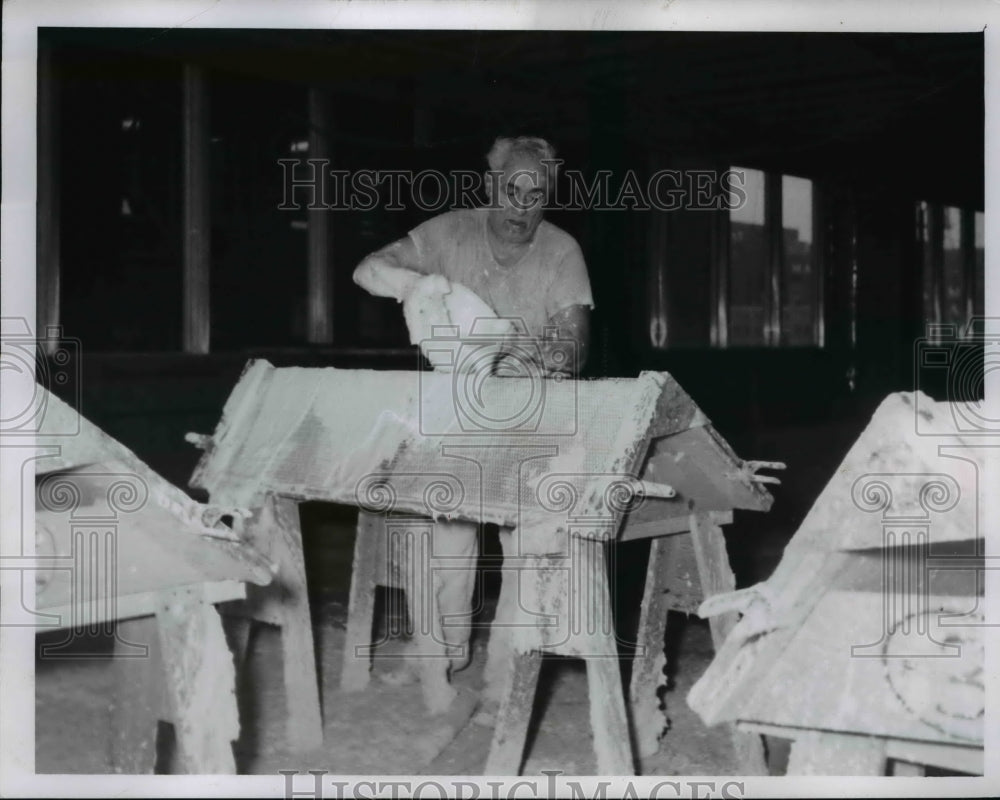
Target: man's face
520, 194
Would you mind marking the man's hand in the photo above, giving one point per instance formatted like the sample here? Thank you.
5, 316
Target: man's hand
564, 350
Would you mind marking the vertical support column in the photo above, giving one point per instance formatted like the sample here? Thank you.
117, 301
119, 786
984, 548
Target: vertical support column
719, 322
717, 578
196, 212
968, 239
853, 274
657, 290
319, 284
47, 272
608, 112
936, 235
776, 258
816, 263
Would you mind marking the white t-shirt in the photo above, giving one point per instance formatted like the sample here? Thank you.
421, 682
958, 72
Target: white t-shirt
550, 277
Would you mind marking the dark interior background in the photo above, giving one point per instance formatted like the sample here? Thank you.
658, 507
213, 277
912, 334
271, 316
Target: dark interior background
878, 122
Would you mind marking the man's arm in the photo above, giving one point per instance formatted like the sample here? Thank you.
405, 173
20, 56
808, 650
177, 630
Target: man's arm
391, 271
566, 352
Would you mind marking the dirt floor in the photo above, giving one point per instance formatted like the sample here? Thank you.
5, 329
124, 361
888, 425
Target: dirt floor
384, 730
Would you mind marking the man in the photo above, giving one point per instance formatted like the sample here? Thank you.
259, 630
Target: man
523, 268
519, 264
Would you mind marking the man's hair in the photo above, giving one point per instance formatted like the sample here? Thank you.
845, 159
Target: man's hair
506, 148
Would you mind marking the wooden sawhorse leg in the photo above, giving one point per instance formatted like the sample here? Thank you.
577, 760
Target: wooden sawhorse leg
399, 553
648, 668
355, 671
499, 646
507, 747
139, 701
717, 577
683, 569
588, 600
186, 678
274, 531
200, 682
